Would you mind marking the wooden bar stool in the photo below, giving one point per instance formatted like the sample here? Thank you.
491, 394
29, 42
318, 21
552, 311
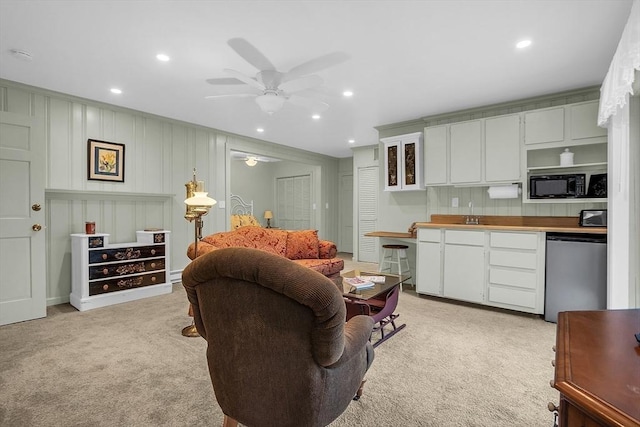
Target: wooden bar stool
395, 255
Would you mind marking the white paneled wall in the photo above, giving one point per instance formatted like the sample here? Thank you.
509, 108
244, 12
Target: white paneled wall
160, 155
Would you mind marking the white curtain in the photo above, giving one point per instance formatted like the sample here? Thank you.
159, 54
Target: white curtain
618, 83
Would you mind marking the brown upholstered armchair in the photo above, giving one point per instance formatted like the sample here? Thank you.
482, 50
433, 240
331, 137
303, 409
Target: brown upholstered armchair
279, 350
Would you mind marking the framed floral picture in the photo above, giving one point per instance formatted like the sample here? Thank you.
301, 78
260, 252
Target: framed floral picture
105, 161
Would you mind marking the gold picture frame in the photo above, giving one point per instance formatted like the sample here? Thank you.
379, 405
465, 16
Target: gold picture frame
105, 161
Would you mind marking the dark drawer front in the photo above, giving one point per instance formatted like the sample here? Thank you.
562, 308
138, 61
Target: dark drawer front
125, 268
114, 285
124, 254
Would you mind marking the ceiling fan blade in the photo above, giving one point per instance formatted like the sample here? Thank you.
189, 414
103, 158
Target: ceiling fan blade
302, 83
232, 95
315, 105
225, 81
250, 54
315, 65
242, 77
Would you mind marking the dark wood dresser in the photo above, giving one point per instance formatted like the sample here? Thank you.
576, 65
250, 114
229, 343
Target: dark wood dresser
597, 368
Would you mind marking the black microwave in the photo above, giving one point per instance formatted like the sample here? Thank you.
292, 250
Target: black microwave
557, 186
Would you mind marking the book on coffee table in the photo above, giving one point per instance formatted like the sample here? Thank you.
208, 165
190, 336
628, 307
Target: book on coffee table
359, 282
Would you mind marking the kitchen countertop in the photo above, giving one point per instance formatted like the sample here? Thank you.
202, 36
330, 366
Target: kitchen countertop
500, 223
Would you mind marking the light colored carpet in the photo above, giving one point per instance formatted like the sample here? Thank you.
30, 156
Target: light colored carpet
128, 365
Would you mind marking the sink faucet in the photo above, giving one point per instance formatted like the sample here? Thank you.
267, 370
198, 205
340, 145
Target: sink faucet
471, 219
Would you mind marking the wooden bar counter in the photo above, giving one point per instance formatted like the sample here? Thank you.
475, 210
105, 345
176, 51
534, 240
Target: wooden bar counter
598, 368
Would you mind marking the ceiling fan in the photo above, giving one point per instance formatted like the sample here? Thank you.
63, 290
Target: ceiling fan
272, 88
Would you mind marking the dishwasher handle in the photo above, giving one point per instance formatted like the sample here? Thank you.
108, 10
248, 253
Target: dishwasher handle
577, 237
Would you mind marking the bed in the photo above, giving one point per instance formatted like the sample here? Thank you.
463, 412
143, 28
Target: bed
242, 212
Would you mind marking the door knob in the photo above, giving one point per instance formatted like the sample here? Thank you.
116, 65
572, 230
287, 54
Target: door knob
36, 227
36, 207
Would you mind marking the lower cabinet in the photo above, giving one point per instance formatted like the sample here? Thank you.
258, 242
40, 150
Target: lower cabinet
464, 265
496, 268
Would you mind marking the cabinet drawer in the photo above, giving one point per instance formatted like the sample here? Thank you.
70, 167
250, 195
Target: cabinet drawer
114, 285
514, 240
513, 297
121, 269
513, 259
515, 278
429, 235
124, 254
459, 237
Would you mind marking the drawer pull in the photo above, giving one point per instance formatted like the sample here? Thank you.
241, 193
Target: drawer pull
153, 279
105, 271
153, 251
553, 363
105, 287
153, 265
105, 256
551, 384
553, 348
552, 407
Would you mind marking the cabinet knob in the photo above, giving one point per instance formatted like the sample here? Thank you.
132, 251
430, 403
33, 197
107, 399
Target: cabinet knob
553, 348
153, 279
551, 384
36, 207
553, 363
104, 256
153, 265
105, 271
153, 251
552, 407
105, 287
36, 227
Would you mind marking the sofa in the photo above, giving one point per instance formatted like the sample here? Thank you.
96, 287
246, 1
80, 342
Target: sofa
301, 246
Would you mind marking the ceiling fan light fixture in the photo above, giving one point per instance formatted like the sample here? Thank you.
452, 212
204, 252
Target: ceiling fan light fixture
270, 102
251, 161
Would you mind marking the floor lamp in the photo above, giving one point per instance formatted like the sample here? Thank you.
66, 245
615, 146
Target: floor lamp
198, 205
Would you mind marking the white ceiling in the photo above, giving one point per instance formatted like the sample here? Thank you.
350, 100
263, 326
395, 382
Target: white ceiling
409, 59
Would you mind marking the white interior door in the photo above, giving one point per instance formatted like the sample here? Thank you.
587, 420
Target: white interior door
346, 214
23, 291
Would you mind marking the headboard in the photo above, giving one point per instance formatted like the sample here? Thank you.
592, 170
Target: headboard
239, 206
241, 213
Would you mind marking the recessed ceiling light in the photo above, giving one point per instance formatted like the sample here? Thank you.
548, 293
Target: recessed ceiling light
351, 141
347, 93
260, 130
116, 90
523, 43
162, 57
316, 117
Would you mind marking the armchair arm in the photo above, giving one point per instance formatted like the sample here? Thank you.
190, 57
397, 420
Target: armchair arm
327, 249
357, 332
203, 248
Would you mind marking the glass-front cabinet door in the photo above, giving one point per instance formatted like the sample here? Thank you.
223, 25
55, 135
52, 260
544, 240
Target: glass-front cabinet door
403, 162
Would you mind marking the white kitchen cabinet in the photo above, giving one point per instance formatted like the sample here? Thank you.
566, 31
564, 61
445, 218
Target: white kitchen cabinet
403, 162
584, 121
516, 271
429, 265
502, 149
436, 140
466, 152
545, 125
464, 265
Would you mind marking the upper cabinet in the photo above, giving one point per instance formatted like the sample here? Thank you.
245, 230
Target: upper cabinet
485, 151
565, 125
403, 162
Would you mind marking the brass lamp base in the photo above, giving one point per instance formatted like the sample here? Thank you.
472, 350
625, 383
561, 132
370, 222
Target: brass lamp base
190, 331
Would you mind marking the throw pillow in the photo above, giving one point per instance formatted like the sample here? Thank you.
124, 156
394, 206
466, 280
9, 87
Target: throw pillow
302, 244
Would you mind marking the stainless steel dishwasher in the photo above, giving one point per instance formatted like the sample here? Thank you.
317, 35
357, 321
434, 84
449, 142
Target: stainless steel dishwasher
576, 273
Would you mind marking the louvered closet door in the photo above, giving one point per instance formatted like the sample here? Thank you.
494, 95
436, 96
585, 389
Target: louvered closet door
294, 203
367, 211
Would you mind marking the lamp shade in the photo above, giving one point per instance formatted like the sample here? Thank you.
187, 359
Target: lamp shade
268, 215
200, 198
251, 161
270, 102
